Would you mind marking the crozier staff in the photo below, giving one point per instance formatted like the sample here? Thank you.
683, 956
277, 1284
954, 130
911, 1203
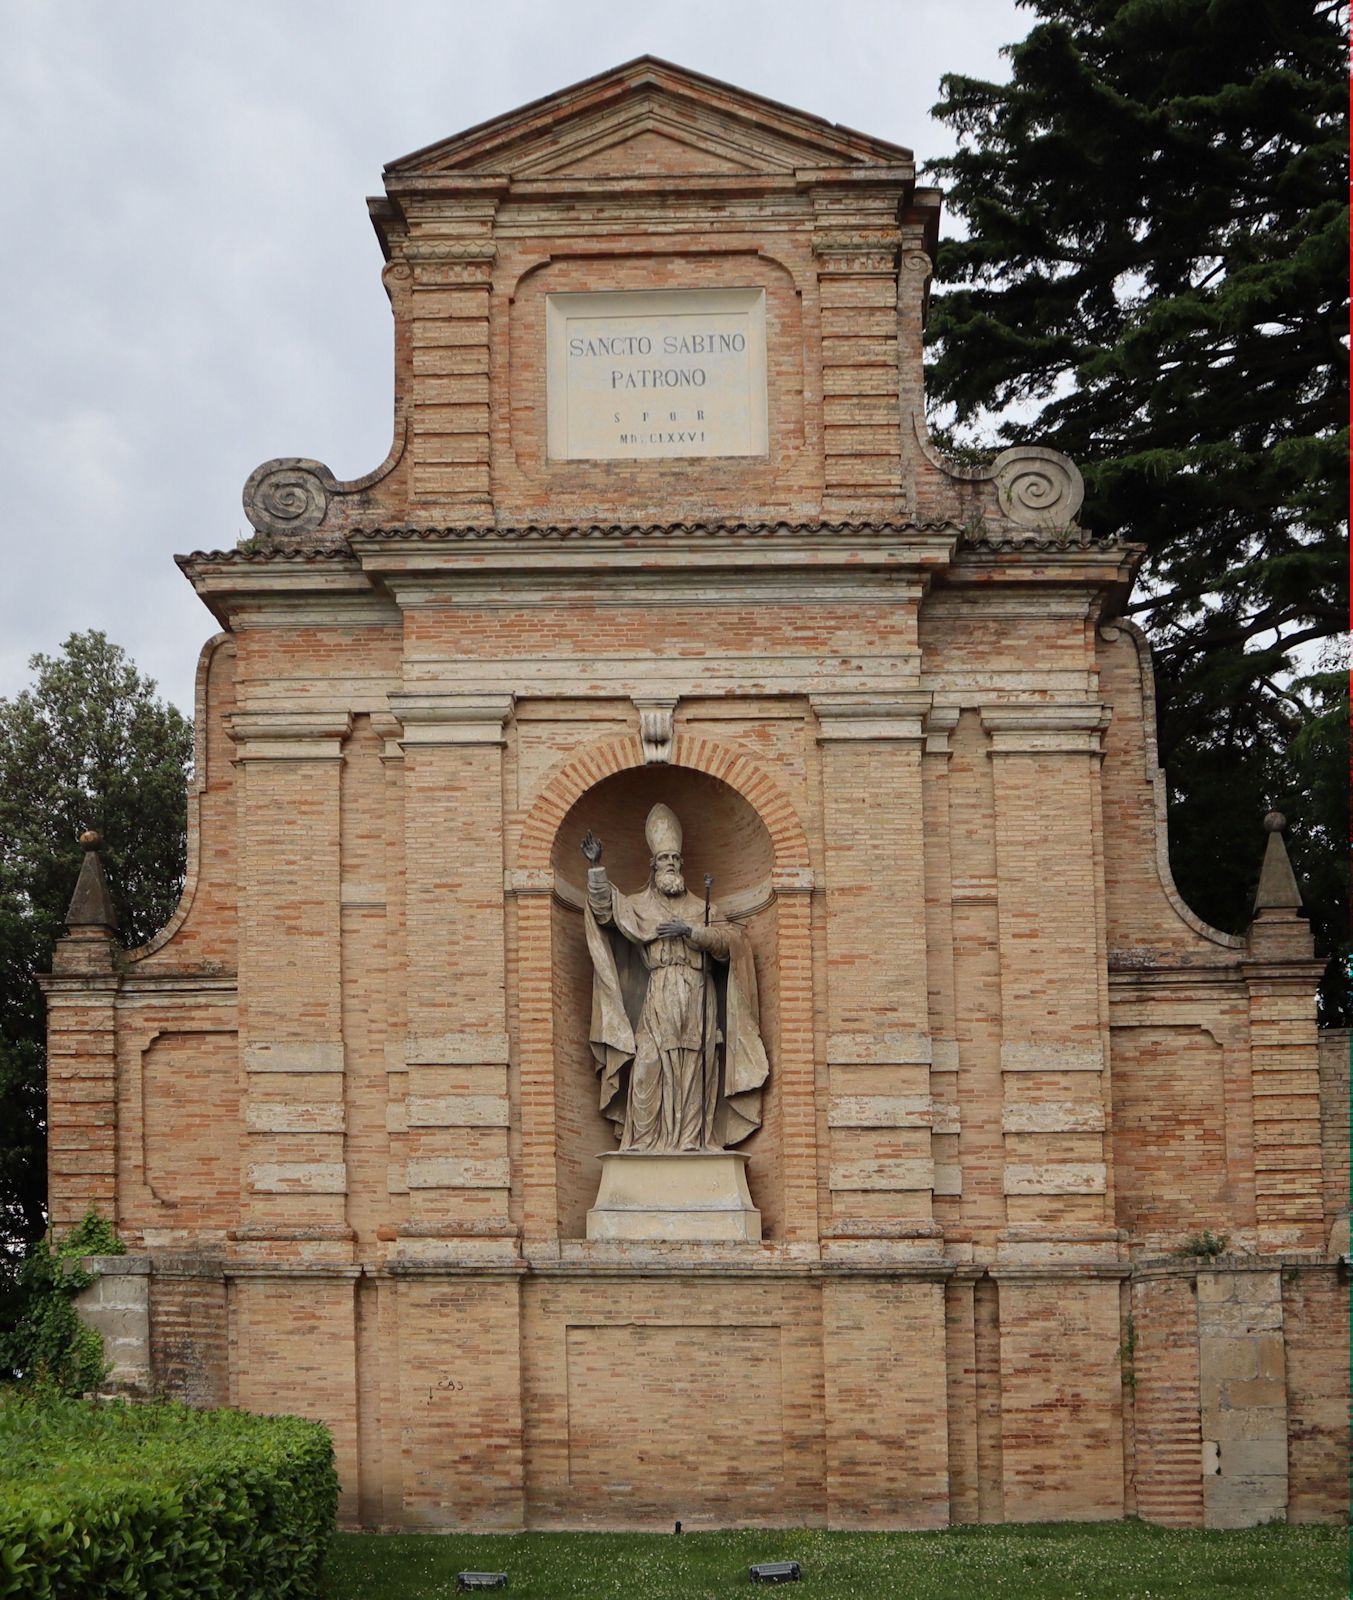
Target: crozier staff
657, 1009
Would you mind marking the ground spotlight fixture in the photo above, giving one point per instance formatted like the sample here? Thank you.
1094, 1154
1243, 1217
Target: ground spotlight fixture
465, 1581
775, 1572
677, 1528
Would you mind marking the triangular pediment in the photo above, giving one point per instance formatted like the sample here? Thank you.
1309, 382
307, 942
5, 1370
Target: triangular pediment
644, 117
640, 145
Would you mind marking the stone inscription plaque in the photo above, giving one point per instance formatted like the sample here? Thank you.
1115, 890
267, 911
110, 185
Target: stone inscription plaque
641, 375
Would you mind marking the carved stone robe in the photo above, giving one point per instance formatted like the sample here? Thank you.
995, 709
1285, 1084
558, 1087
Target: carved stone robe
686, 1030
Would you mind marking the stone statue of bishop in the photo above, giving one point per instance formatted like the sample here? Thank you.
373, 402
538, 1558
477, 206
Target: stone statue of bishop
674, 1001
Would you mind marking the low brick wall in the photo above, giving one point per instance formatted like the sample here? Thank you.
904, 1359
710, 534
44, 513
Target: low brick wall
1234, 1385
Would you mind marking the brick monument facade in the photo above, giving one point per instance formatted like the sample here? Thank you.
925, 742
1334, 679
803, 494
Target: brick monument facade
661, 523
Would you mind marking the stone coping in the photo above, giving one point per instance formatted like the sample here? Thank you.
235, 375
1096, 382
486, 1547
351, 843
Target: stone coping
117, 1266
1292, 1260
582, 1258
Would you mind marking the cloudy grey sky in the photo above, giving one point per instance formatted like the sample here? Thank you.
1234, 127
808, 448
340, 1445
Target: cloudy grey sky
188, 281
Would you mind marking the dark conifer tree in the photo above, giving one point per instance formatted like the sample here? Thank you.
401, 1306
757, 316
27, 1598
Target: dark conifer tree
1154, 280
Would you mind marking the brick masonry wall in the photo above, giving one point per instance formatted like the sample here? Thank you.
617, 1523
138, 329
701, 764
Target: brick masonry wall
1164, 1380
352, 1078
615, 1383
1170, 1152
873, 1333
1334, 1133
189, 1343
1061, 1401
1001, 1425
293, 1350
1315, 1334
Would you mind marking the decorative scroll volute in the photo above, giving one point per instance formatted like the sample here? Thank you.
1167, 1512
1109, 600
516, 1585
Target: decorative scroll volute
1038, 488
288, 498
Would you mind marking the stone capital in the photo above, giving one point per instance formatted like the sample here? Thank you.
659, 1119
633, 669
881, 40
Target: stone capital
793, 880
289, 735
1046, 729
940, 722
872, 718
452, 718
529, 880
858, 253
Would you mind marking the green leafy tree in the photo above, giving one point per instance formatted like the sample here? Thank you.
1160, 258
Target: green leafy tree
88, 745
1154, 280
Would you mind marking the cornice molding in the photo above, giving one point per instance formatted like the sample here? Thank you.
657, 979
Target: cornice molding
882, 528
449, 250
1073, 541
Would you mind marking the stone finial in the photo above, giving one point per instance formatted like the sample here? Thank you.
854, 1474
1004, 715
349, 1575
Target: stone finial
91, 906
1278, 889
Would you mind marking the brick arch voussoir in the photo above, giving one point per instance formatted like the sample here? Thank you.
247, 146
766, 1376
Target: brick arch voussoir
586, 768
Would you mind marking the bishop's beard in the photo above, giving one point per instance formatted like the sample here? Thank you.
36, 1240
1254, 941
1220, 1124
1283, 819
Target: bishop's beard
669, 882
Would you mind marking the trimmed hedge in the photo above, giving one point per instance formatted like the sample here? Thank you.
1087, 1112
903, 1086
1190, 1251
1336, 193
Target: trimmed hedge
136, 1500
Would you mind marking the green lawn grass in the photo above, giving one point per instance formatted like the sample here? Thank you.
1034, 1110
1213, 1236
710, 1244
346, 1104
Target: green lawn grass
1053, 1561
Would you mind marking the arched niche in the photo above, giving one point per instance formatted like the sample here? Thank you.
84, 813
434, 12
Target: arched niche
723, 835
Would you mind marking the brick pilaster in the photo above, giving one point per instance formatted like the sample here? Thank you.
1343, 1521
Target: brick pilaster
856, 247
294, 1176
533, 893
1050, 928
1285, 1095
450, 356
1284, 1057
81, 1083
941, 978
455, 1106
882, 1172
796, 1063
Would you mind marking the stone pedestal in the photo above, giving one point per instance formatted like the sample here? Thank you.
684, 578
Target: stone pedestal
674, 1196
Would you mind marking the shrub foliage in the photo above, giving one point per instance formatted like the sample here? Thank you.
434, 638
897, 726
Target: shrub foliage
49, 1348
124, 1500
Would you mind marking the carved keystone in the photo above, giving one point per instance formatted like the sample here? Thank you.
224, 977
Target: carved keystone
655, 729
